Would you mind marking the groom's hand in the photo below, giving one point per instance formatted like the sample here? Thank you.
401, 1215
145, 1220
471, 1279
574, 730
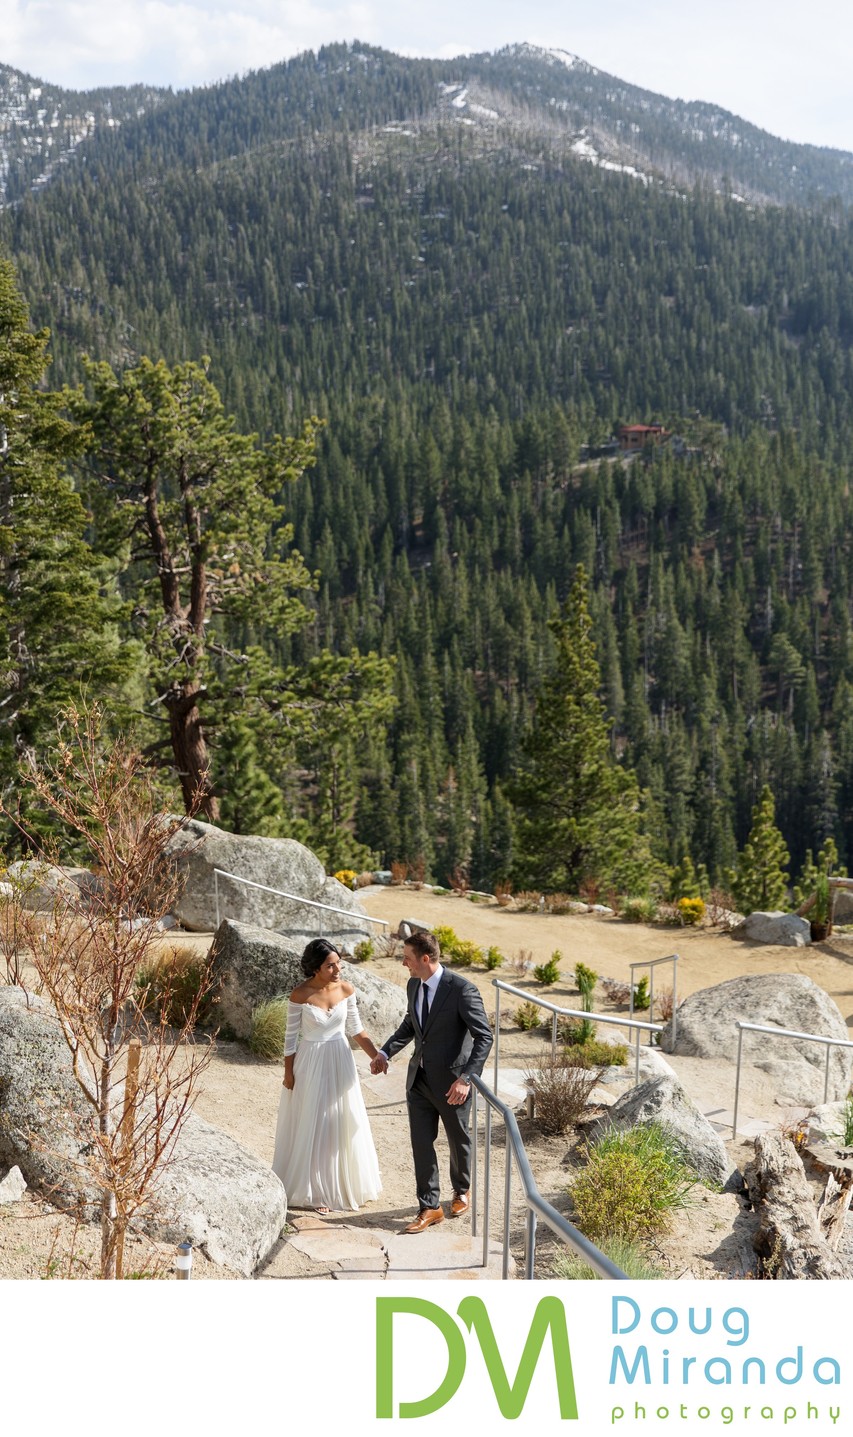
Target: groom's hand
457, 1093
379, 1064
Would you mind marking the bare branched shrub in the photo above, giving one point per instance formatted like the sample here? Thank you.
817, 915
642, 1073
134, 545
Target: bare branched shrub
503, 894
663, 1005
87, 955
521, 964
560, 1092
616, 991
399, 873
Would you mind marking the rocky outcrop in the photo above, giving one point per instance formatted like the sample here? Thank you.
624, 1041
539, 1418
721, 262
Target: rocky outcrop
252, 965
44, 1118
281, 863
39, 887
707, 1029
12, 1186
783, 930
214, 1191
663, 1100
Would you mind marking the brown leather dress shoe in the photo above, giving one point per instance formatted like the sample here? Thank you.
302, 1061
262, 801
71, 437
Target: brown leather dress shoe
461, 1203
425, 1218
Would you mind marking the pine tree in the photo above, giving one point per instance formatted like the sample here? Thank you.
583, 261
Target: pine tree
579, 817
761, 878
58, 606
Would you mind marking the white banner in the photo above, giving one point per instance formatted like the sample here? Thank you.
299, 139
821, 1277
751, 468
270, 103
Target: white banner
378, 1357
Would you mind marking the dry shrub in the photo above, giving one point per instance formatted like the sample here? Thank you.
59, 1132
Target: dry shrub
175, 988
459, 880
617, 991
522, 963
399, 873
503, 894
529, 901
664, 1005
560, 1092
719, 907
365, 880
558, 903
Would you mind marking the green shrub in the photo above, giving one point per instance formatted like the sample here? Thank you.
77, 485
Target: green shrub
640, 910
494, 959
591, 1052
585, 979
459, 951
528, 1016
633, 1261
269, 1022
548, 973
363, 951
631, 1184
174, 987
641, 995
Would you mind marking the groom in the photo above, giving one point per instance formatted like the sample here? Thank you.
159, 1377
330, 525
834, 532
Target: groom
447, 1022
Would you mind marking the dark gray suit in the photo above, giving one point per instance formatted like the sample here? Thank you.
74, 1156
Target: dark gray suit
454, 1044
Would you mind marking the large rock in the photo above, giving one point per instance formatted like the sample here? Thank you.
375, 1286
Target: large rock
40, 887
784, 930
44, 1118
198, 849
663, 1100
214, 1190
254, 965
221, 1196
706, 1029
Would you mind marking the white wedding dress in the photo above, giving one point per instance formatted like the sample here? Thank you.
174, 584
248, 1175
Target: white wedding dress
324, 1152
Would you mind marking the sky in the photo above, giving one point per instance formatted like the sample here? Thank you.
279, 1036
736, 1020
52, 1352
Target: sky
785, 65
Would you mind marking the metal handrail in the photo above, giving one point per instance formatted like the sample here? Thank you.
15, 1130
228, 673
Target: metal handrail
295, 897
652, 963
537, 1207
555, 1009
830, 1043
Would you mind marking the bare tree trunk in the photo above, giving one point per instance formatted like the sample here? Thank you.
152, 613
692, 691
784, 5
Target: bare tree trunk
189, 746
789, 1236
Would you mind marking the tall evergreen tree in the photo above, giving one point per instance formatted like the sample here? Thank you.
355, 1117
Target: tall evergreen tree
761, 879
579, 811
58, 605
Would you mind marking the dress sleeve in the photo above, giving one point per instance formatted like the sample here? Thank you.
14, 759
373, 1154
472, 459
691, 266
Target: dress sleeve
294, 1023
353, 1024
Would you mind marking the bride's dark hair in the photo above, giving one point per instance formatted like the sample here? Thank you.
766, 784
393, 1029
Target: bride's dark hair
315, 955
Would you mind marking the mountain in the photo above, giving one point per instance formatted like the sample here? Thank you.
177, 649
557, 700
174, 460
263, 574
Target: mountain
551, 93
42, 126
475, 271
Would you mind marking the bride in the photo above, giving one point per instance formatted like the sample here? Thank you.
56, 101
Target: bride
324, 1151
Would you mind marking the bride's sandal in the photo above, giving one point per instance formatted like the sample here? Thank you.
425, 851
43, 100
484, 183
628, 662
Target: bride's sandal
322, 1211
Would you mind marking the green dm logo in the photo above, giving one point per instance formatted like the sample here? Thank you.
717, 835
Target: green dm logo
510, 1396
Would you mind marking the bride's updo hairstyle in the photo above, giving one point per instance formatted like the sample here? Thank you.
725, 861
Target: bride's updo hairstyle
315, 955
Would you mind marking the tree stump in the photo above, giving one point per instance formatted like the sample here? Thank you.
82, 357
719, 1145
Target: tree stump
790, 1238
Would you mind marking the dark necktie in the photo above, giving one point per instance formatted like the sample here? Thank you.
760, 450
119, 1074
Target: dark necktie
424, 1005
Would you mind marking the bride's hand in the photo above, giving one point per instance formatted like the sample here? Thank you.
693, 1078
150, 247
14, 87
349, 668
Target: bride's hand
287, 1082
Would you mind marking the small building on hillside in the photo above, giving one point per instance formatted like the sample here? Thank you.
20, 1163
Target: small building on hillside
637, 436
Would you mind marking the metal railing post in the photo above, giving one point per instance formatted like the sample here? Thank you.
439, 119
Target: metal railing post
554, 1036
826, 1074
474, 1155
497, 1031
216, 893
530, 1245
637, 1057
737, 1078
674, 1005
487, 1182
507, 1196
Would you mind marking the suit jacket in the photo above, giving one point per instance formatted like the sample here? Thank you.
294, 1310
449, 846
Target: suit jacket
456, 1040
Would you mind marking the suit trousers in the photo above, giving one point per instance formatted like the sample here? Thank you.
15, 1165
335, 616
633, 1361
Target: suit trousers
425, 1109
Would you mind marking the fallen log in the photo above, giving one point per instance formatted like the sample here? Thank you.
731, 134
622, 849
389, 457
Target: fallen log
789, 1239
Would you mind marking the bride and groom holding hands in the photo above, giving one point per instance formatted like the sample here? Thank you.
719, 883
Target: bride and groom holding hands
324, 1151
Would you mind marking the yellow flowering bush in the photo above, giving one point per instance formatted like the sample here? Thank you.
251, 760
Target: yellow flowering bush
691, 911
346, 876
